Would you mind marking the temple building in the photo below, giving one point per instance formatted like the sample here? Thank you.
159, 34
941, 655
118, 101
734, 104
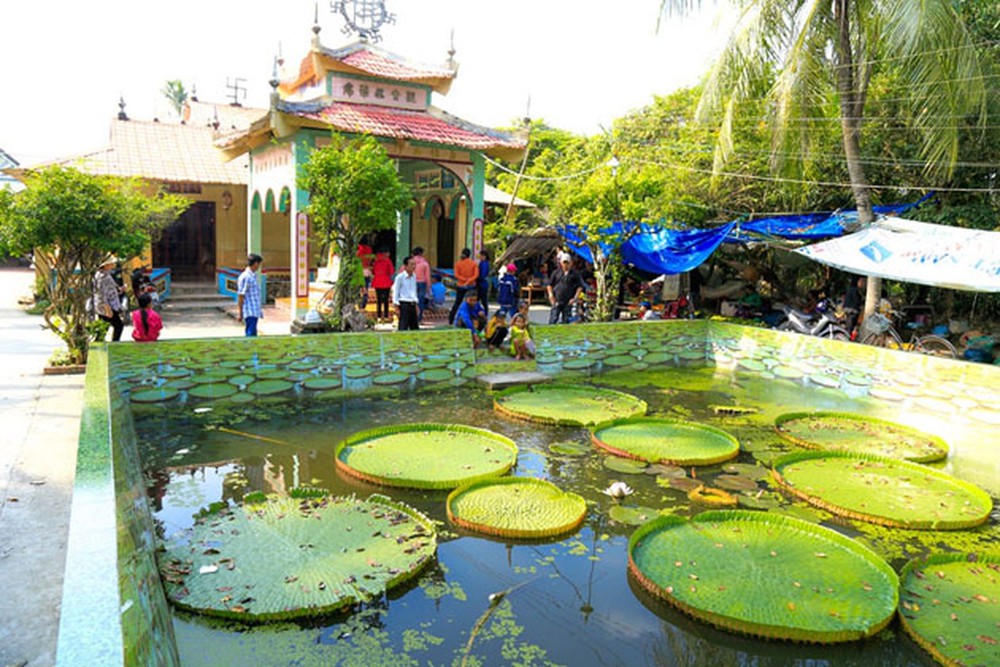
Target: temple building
363, 89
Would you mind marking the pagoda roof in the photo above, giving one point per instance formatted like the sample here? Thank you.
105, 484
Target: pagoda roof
159, 152
432, 126
362, 57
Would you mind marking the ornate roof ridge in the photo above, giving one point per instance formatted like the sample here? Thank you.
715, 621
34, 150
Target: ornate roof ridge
420, 70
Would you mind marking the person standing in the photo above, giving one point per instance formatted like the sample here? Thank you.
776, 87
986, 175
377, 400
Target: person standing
404, 296
382, 270
565, 285
146, 322
248, 306
466, 275
108, 297
483, 281
508, 289
423, 273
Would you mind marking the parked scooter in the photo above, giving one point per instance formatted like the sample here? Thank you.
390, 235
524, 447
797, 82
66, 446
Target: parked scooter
822, 323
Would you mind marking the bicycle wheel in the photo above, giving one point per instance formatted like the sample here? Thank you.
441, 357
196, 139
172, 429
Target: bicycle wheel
936, 346
836, 333
888, 339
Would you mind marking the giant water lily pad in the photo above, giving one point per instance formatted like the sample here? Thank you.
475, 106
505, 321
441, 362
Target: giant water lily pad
845, 431
766, 576
425, 456
275, 560
516, 507
882, 491
950, 603
223, 390
671, 441
155, 395
569, 405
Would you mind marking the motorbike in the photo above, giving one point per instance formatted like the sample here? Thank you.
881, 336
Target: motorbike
823, 323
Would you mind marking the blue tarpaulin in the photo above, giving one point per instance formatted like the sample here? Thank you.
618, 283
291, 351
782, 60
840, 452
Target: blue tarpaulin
658, 250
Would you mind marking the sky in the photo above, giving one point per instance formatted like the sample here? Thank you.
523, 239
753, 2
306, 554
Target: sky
581, 64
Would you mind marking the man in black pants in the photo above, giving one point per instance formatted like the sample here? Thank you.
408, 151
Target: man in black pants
565, 285
404, 296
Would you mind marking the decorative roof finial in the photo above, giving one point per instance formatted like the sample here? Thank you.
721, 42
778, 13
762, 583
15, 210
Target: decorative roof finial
364, 17
121, 108
215, 119
194, 92
274, 74
451, 50
281, 58
316, 27
527, 113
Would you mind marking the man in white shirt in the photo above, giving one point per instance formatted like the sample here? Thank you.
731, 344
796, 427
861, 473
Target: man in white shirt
404, 296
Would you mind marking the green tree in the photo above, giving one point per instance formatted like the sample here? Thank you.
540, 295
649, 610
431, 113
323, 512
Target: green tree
353, 190
176, 94
72, 221
822, 56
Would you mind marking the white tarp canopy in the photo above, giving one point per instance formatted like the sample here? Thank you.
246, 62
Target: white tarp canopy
916, 252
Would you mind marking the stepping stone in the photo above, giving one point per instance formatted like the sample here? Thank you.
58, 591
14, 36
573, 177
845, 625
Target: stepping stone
504, 380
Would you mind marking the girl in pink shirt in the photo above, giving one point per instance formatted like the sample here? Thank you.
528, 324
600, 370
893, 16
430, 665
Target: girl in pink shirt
146, 322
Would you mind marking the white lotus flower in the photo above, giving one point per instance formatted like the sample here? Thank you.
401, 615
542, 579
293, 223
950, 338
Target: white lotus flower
618, 490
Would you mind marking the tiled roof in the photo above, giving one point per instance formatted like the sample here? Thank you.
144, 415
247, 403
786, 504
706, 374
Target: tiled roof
204, 114
433, 126
161, 152
377, 62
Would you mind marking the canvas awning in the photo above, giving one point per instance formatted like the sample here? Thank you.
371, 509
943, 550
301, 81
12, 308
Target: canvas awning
492, 195
916, 252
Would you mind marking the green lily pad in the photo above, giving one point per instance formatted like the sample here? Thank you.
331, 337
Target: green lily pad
883, 491
619, 361
181, 383
632, 516
357, 372
220, 390
269, 387
950, 603
671, 441
581, 364
323, 382
766, 576
735, 483
569, 405
388, 379
156, 395
515, 507
624, 465
845, 431
658, 358
275, 561
242, 380
569, 448
435, 375
425, 456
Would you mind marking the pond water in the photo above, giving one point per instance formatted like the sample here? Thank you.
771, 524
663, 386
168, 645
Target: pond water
569, 601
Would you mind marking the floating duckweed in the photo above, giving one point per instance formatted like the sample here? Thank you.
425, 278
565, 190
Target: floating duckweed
671, 441
882, 490
516, 507
845, 431
738, 570
425, 456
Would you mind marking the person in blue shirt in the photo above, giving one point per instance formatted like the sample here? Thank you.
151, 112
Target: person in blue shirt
483, 281
248, 306
508, 289
471, 316
437, 291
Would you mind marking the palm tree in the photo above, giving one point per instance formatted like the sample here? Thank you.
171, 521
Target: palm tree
813, 56
176, 94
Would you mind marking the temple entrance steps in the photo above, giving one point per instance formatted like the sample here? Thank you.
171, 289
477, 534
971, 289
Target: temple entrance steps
196, 296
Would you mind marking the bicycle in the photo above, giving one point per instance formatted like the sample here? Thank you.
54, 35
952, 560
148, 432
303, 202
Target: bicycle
877, 330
